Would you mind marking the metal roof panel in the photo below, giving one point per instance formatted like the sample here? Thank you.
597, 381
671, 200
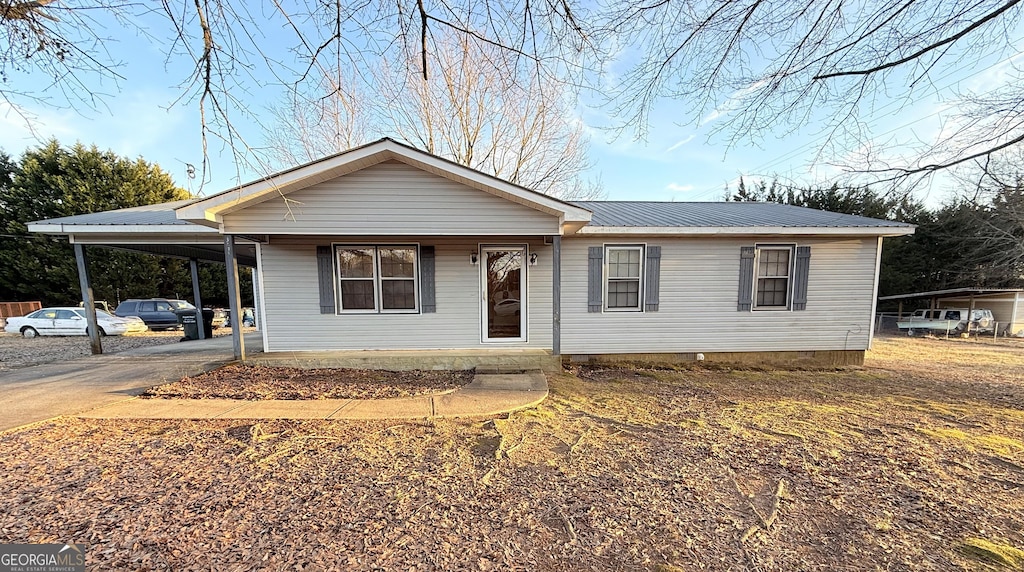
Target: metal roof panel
158, 214
722, 214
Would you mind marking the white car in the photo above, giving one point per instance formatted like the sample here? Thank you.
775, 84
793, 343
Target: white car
70, 321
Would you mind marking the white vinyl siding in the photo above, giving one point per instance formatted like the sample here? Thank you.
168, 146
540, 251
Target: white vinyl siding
699, 279
391, 199
293, 322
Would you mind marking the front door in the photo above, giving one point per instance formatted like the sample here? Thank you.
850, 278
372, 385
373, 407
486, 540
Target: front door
504, 293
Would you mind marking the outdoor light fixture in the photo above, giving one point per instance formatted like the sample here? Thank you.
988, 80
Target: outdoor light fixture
473, 258
533, 259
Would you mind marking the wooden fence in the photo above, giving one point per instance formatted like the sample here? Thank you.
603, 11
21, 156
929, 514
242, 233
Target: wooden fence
13, 309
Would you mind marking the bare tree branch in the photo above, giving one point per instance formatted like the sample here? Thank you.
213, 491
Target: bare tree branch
931, 47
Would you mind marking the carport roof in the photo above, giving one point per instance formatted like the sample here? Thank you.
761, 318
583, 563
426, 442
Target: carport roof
160, 215
150, 229
951, 292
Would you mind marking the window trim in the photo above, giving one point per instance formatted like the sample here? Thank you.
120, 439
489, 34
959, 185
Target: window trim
606, 278
377, 279
758, 248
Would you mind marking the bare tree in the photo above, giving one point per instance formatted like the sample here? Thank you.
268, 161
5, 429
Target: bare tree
60, 42
307, 128
755, 67
478, 105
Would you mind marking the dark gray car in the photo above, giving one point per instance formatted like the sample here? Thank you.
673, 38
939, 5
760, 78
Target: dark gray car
158, 313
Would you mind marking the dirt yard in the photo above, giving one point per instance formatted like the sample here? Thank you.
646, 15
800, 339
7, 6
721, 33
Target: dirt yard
915, 462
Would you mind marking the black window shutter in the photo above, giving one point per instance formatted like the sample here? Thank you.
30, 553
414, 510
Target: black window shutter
325, 278
595, 286
746, 291
428, 305
800, 272
652, 279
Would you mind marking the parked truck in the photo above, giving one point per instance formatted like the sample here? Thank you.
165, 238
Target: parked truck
948, 320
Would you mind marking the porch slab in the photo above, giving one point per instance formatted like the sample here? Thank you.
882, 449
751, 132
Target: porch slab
497, 360
485, 403
528, 381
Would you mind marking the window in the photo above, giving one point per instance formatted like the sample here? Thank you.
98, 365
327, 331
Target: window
624, 267
773, 273
66, 315
373, 279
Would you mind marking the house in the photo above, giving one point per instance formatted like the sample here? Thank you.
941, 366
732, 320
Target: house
385, 248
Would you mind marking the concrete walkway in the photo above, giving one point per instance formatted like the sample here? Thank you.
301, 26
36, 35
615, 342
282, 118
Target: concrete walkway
41, 392
486, 395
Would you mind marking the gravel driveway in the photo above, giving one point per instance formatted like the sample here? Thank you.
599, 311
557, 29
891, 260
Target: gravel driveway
17, 352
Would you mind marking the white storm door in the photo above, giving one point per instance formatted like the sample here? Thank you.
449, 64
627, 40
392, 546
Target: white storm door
504, 296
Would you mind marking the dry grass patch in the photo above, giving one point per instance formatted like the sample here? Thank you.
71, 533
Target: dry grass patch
882, 468
997, 553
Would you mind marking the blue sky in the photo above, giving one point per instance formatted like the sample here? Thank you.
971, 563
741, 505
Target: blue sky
677, 160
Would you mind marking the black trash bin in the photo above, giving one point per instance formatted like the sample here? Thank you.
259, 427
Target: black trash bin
207, 323
189, 324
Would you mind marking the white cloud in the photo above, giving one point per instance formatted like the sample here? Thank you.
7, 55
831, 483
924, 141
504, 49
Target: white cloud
677, 188
680, 143
732, 102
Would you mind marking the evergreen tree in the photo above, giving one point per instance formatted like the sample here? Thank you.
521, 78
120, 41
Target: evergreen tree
53, 181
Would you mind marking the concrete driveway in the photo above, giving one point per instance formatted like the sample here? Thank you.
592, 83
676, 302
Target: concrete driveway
41, 392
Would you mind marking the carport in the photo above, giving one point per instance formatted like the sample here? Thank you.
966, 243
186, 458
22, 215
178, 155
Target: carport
1007, 304
155, 229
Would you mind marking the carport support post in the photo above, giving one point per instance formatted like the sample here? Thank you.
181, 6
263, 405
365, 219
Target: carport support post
194, 264
556, 295
970, 315
234, 300
88, 302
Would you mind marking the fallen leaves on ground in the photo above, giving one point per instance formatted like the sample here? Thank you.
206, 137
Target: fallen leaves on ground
261, 382
889, 467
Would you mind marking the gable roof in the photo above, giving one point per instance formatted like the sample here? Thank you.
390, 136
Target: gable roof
210, 210
646, 217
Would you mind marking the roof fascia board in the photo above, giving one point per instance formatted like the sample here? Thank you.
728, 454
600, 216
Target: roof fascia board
145, 239
239, 197
745, 230
335, 232
120, 228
